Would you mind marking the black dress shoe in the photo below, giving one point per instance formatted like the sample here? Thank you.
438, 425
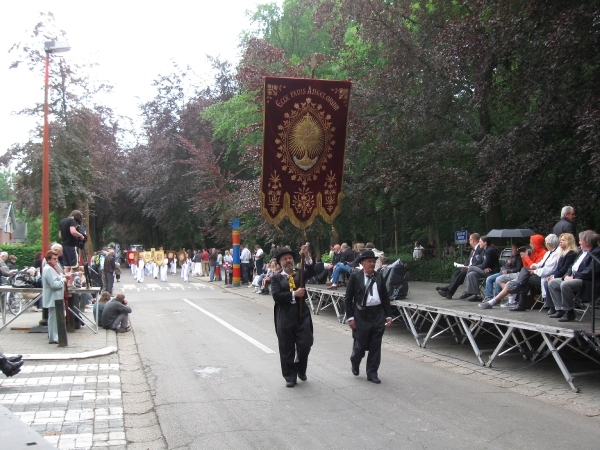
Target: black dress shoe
465, 295
518, 308
441, 288
442, 292
474, 298
355, 371
290, 383
374, 379
302, 376
558, 314
448, 295
551, 311
14, 359
569, 316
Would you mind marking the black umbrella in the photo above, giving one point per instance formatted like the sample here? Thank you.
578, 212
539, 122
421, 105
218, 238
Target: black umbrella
511, 233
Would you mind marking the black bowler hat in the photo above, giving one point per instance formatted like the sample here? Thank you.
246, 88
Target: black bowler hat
366, 255
285, 251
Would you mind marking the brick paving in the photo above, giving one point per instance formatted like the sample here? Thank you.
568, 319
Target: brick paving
72, 405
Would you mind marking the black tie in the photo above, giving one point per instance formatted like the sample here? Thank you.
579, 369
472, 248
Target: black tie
368, 288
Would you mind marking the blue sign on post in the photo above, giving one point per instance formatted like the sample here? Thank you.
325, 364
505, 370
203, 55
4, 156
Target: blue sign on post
460, 237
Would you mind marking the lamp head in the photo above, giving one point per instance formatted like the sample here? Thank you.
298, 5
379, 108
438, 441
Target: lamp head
56, 47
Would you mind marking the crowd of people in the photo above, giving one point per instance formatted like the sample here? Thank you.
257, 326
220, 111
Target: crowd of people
558, 266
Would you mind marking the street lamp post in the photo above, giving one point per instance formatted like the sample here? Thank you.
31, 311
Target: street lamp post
50, 47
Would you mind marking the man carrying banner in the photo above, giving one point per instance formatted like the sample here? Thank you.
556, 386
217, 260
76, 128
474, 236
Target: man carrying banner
293, 323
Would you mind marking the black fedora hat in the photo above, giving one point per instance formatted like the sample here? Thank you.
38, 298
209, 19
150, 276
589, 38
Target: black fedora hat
366, 255
285, 251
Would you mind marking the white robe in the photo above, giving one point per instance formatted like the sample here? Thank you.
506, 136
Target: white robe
163, 272
174, 266
140, 271
154, 270
185, 271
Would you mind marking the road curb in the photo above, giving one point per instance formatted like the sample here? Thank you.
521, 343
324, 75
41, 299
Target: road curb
59, 357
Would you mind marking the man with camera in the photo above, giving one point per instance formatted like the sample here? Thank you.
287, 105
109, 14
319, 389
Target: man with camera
69, 231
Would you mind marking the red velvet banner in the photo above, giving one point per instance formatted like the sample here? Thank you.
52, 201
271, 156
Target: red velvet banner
303, 149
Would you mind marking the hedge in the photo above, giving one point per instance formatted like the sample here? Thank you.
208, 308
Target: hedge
24, 253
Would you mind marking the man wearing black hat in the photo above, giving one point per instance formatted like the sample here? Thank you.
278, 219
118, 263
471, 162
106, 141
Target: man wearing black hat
368, 303
293, 323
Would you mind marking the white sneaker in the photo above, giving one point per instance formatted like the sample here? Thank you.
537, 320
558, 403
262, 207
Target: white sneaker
508, 305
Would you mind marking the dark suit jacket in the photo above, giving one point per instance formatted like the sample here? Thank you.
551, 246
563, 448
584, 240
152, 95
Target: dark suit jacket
477, 257
337, 257
348, 256
564, 264
584, 272
280, 285
355, 292
490, 260
109, 263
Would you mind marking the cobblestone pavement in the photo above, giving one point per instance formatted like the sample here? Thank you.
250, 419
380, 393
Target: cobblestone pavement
73, 405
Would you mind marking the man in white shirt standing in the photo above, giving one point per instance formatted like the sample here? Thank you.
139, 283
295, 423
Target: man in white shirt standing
258, 259
245, 256
368, 303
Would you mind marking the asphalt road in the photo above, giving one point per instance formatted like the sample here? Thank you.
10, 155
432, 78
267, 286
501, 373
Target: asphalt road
212, 365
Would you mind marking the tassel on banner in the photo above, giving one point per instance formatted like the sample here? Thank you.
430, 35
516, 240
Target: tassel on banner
334, 232
279, 230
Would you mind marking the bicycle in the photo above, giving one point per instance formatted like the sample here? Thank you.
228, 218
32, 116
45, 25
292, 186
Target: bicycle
14, 300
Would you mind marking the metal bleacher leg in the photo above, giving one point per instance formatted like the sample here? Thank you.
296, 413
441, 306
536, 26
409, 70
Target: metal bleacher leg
471, 340
410, 324
559, 361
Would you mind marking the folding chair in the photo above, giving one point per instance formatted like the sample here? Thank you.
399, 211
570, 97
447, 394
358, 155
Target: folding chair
583, 307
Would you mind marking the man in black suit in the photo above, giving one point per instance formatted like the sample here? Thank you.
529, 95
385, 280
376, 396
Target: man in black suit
458, 278
368, 304
489, 266
577, 280
293, 323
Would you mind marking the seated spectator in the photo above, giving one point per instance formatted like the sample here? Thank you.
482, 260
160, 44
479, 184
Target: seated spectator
508, 272
378, 253
530, 276
567, 254
418, 251
98, 307
337, 255
115, 315
475, 257
489, 266
257, 280
344, 266
12, 262
265, 279
577, 280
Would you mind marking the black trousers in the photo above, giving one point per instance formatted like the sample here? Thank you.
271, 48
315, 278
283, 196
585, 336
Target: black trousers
533, 281
244, 270
110, 280
295, 338
368, 334
458, 278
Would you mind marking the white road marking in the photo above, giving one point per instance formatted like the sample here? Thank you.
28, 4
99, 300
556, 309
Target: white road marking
253, 341
176, 285
129, 286
153, 286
